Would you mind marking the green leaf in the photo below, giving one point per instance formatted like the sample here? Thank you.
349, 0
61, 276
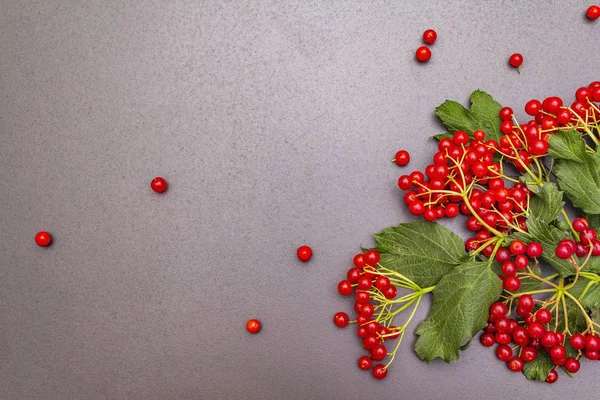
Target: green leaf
576, 171
442, 136
590, 290
538, 369
460, 308
547, 204
422, 251
484, 115
576, 319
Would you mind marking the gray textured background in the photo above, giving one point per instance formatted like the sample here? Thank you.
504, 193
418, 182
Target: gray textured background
274, 124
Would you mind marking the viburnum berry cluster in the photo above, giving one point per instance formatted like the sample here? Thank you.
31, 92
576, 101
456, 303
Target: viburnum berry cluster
509, 180
375, 290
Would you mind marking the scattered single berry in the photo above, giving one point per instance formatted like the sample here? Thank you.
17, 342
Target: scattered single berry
158, 184
43, 239
423, 54
402, 158
593, 12
429, 36
253, 326
304, 253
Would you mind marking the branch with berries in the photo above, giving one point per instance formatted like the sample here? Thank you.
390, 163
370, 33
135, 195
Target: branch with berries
529, 277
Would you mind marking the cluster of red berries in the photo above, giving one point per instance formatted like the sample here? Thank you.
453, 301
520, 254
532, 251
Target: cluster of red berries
531, 334
368, 287
524, 143
588, 242
515, 258
448, 188
423, 53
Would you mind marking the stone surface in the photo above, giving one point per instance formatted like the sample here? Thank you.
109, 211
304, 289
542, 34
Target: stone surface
274, 124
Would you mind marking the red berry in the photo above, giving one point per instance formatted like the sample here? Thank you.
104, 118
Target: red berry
526, 302
43, 239
382, 283
372, 257
504, 352
429, 36
543, 316
498, 310
304, 253
364, 283
533, 107
592, 342
353, 275
341, 319
402, 157
528, 354
535, 330
517, 247
572, 365
367, 310
592, 354
370, 341
534, 249
577, 341
158, 184
345, 287
564, 251
516, 364
512, 283
359, 260
487, 339
379, 371
558, 352
390, 292
552, 376
506, 113
509, 268
378, 352
423, 54
365, 363
521, 262
549, 339
253, 325
593, 12
503, 337
580, 224
520, 335
516, 60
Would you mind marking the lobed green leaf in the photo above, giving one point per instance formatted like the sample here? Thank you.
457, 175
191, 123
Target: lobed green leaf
538, 369
460, 308
422, 251
484, 115
576, 170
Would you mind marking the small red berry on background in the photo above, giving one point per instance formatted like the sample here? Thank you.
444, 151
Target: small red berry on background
43, 239
423, 54
593, 12
158, 184
402, 158
253, 326
341, 319
304, 253
429, 36
516, 60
